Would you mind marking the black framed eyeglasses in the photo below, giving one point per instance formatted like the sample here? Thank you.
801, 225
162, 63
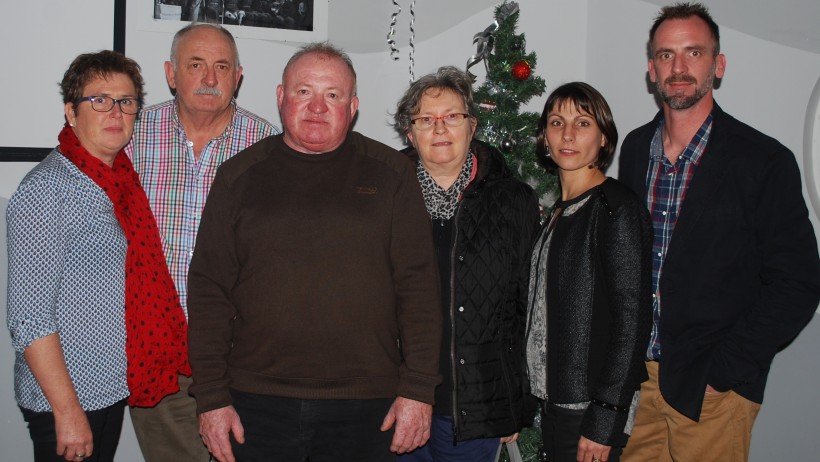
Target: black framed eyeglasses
106, 104
455, 119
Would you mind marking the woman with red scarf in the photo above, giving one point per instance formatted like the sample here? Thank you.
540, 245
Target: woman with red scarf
90, 300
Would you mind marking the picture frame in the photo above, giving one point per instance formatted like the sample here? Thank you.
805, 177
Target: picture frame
23, 154
300, 21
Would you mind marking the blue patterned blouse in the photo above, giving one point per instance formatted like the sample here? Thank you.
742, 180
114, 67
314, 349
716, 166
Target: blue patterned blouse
67, 276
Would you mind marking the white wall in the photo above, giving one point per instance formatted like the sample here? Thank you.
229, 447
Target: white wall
600, 41
454, 47
36, 51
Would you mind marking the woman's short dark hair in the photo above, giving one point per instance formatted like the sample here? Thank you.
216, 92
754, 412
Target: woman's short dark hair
99, 65
586, 99
445, 78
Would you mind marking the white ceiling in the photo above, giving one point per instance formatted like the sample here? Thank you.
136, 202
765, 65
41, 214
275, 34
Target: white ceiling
793, 23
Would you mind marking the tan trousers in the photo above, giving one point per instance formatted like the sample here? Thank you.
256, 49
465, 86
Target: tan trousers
169, 431
662, 434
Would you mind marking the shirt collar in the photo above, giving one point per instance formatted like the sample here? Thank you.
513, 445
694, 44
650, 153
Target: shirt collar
694, 150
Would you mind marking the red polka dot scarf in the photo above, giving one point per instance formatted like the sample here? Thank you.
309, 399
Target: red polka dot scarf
156, 343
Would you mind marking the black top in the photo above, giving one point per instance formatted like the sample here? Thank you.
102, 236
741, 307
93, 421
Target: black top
599, 307
443, 240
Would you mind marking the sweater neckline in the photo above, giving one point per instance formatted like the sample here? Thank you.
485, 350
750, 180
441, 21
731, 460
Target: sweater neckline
580, 197
313, 157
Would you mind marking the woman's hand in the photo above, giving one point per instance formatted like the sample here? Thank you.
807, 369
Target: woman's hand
74, 438
47, 362
509, 439
590, 451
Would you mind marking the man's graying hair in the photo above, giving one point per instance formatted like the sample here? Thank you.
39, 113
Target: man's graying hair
445, 78
325, 49
685, 11
202, 25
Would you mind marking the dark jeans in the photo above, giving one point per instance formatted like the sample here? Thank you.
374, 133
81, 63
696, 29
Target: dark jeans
561, 430
293, 430
442, 446
105, 423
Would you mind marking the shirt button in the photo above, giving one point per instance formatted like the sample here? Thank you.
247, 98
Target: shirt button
461, 361
461, 258
461, 309
659, 254
190, 144
663, 213
463, 413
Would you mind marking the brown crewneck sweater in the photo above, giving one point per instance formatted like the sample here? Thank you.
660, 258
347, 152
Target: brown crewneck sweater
314, 277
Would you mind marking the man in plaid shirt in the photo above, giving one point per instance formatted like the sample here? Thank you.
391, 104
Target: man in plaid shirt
177, 147
736, 273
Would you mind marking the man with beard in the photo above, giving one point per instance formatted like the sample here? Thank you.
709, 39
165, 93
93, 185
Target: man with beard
735, 274
177, 147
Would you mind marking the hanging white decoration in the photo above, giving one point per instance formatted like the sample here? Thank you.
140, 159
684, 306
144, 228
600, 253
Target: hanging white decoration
394, 52
391, 34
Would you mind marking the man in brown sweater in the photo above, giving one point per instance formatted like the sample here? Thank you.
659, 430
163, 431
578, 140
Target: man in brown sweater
313, 294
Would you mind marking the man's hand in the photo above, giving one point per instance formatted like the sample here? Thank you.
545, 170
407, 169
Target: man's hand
215, 428
412, 419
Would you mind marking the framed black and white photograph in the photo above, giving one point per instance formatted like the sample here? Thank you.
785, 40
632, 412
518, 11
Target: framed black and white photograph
276, 14
22, 154
275, 20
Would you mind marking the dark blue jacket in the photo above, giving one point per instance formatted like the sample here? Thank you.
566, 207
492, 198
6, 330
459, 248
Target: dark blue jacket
741, 277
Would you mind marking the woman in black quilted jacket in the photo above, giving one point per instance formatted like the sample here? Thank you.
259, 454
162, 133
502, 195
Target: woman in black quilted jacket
483, 223
590, 286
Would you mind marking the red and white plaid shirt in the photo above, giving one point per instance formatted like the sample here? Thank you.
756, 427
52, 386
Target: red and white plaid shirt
177, 184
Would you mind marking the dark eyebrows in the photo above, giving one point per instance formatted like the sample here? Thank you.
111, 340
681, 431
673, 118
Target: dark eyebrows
702, 48
659, 51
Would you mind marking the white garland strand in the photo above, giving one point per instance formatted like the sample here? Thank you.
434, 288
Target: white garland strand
391, 34
412, 40
394, 52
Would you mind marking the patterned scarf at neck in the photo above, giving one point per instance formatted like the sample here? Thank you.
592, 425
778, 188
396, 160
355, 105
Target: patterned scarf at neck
156, 343
441, 204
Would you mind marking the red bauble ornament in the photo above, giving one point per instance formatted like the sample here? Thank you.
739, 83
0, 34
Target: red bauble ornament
521, 70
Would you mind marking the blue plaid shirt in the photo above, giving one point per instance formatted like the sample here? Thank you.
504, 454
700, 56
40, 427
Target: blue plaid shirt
666, 186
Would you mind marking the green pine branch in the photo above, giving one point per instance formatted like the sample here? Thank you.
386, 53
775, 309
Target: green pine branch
503, 126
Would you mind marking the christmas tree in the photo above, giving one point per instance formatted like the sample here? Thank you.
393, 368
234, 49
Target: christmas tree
509, 83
